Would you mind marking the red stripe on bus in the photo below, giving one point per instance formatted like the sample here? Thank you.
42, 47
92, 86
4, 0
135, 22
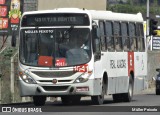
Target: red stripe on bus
130, 62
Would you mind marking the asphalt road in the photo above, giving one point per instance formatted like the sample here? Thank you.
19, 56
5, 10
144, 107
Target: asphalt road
146, 103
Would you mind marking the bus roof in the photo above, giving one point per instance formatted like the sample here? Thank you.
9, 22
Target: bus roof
58, 10
95, 14
109, 15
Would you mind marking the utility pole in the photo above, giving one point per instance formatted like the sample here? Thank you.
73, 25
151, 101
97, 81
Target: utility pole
148, 38
12, 76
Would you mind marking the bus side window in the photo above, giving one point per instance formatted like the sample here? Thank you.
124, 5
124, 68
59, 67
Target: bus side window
132, 35
125, 37
135, 39
117, 36
138, 36
142, 38
140, 33
102, 36
109, 35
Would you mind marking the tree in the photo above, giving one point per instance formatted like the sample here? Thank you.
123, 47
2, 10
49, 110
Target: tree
132, 7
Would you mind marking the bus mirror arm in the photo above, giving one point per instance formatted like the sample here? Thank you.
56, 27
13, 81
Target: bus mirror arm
96, 31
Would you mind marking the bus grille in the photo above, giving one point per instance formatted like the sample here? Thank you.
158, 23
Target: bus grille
54, 74
50, 81
55, 88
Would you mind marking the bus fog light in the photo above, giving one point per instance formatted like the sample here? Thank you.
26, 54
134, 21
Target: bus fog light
83, 78
81, 89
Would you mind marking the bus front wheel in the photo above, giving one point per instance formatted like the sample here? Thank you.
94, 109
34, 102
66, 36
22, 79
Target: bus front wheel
39, 100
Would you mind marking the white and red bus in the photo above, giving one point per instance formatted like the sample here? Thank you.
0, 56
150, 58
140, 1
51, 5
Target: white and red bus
71, 53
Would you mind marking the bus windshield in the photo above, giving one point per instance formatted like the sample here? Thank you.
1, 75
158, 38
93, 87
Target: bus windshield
54, 47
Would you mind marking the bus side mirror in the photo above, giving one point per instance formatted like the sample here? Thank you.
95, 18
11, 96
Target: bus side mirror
13, 40
96, 31
96, 41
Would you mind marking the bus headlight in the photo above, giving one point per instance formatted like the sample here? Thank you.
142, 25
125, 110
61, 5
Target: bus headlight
83, 77
28, 79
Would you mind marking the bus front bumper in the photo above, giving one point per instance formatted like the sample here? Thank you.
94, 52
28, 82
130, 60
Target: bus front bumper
88, 88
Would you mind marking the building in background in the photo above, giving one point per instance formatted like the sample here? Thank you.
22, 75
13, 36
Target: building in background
30, 5
88, 4
117, 1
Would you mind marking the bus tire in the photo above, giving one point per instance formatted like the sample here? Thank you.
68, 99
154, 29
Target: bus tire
128, 96
70, 100
39, 100
157, 91
99, 99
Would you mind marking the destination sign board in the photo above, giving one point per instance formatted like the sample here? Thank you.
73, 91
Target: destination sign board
56, 19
